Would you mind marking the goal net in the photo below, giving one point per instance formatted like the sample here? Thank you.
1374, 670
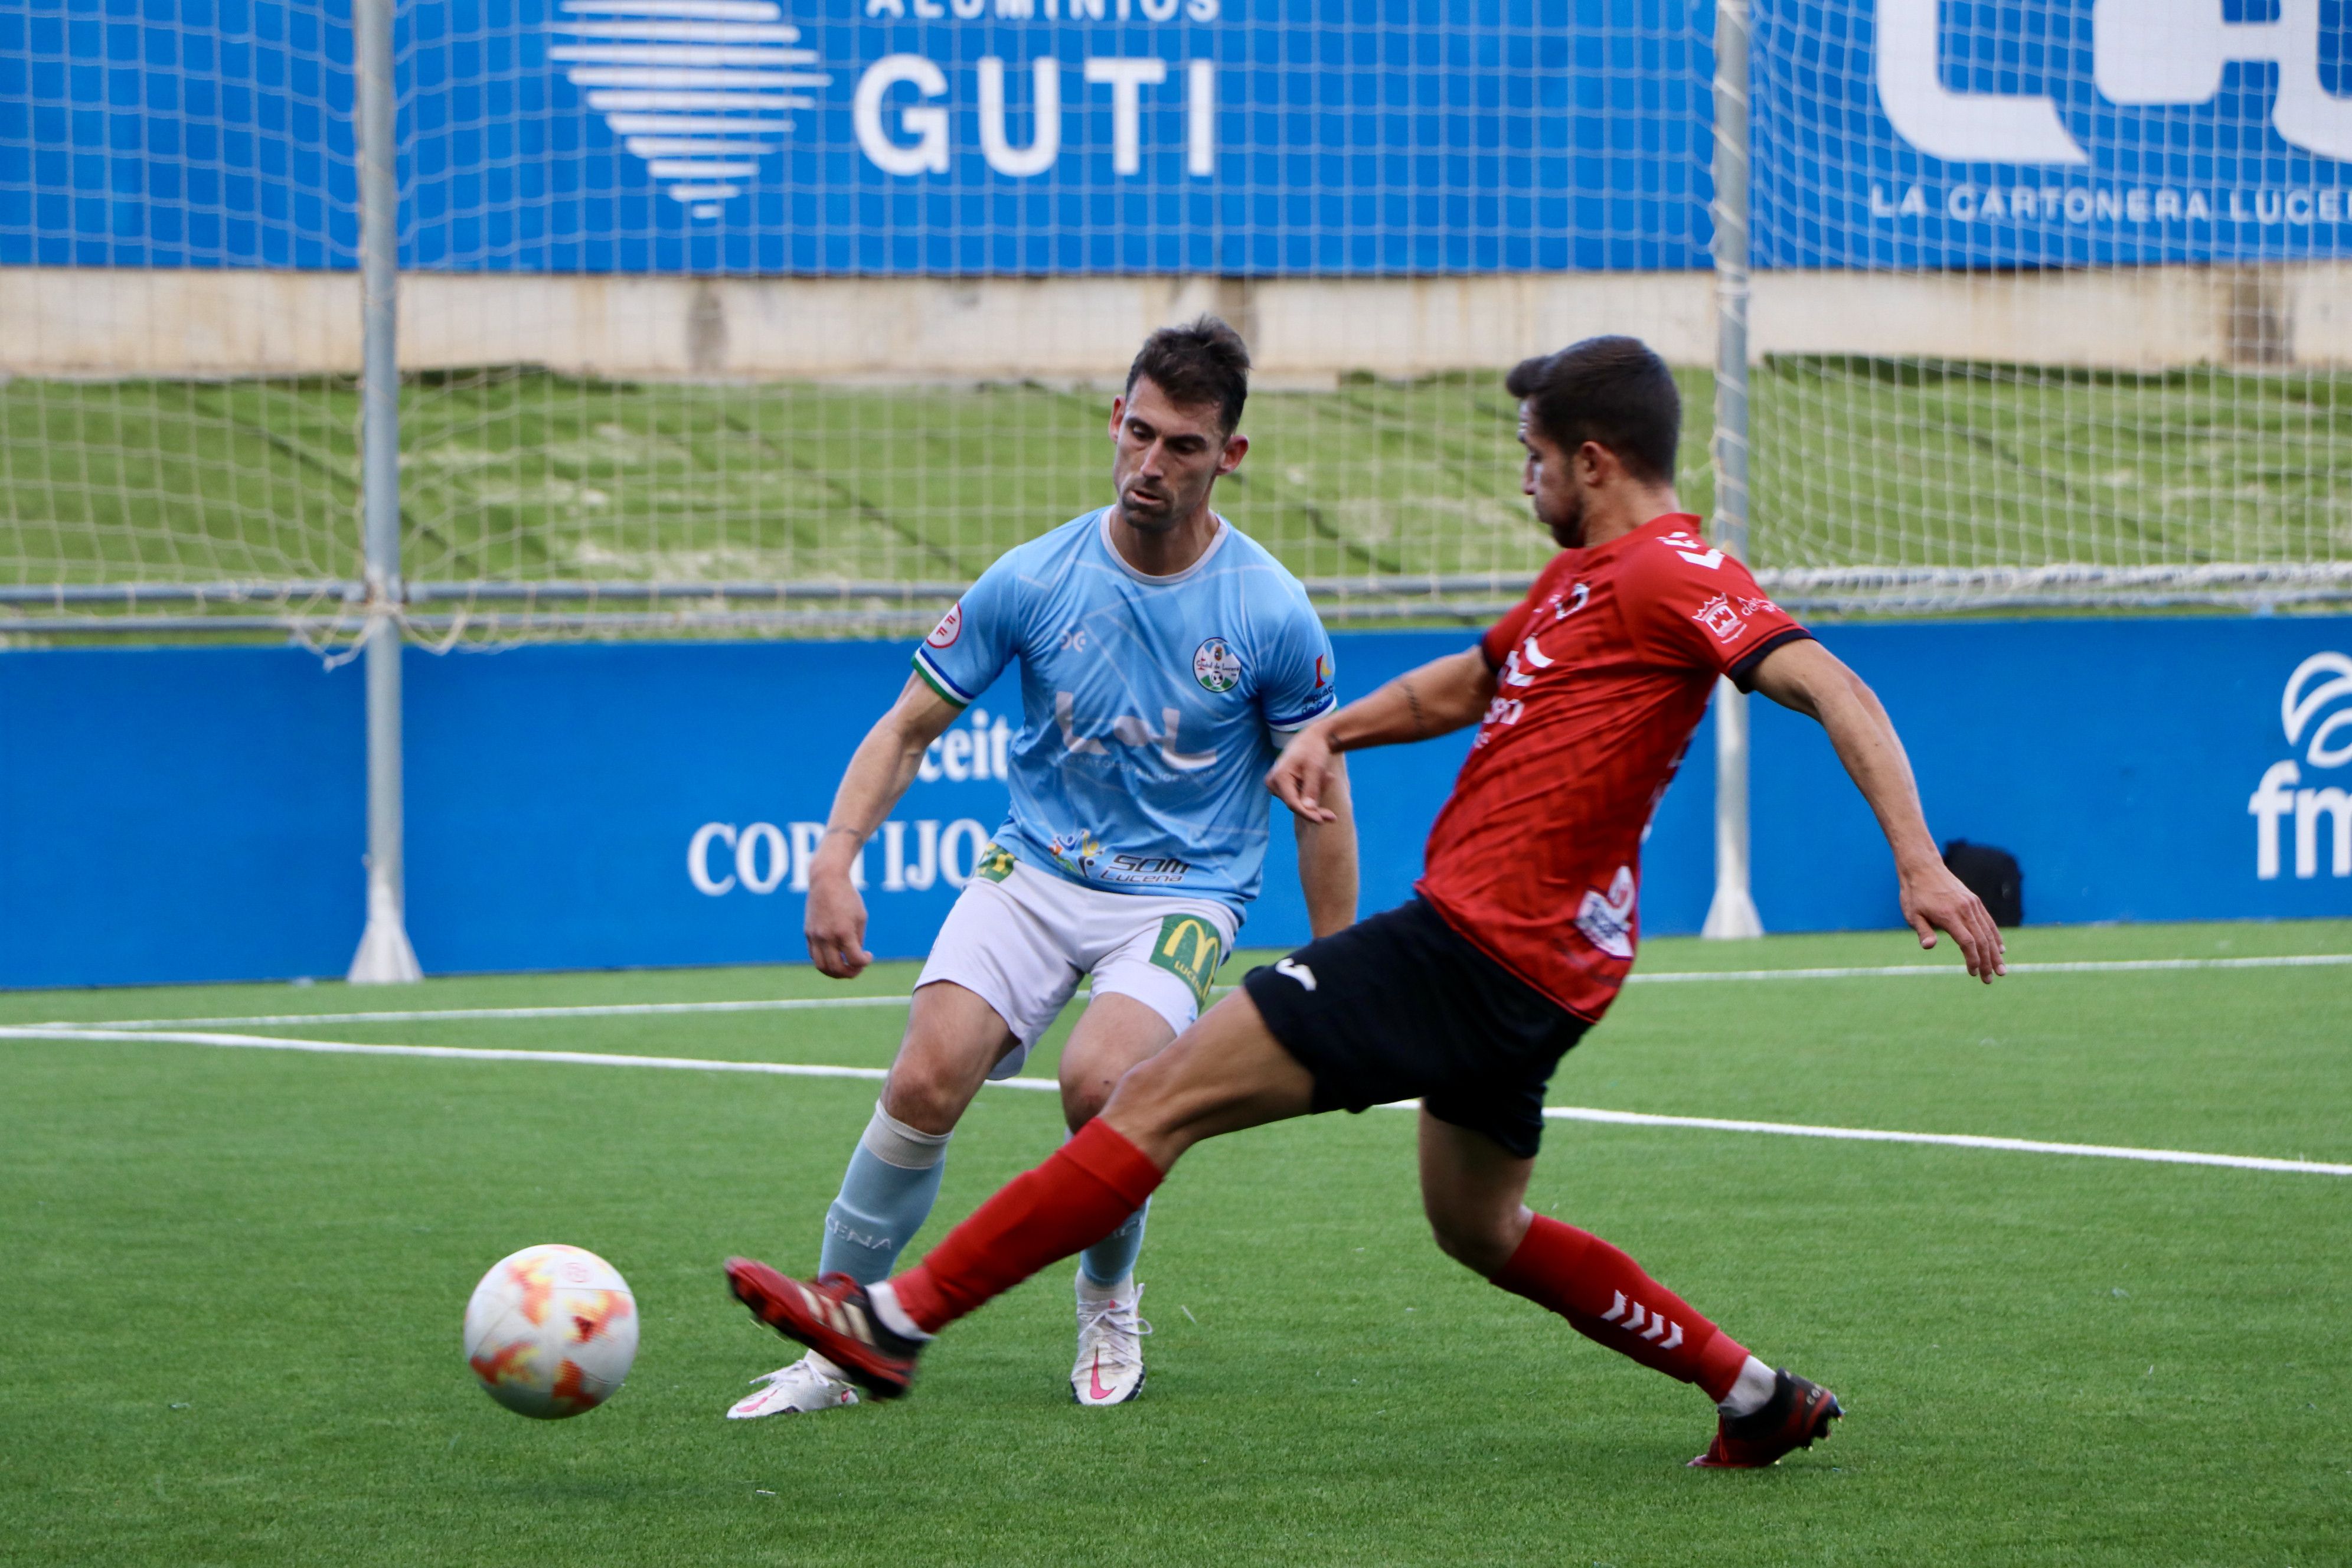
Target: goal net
728, 317
2050, 304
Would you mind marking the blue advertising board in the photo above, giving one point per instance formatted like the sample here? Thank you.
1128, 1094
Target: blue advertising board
871, 136
1989, 134
198, 814
1237, 137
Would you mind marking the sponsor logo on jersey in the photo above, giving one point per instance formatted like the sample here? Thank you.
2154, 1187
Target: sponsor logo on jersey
1216, 666
950, 626
995, 864
1608, 922
1566, 605
1151, 869
1075, 851
1129, 731
1748, 606
1718, 616
1189, 948
1323, 670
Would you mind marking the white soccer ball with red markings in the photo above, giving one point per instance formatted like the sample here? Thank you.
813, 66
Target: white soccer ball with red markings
551, 1331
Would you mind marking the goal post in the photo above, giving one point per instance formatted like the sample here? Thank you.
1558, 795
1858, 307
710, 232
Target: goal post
1731, 911
384, 955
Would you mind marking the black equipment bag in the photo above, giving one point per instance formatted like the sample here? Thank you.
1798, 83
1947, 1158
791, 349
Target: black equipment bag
1991, 874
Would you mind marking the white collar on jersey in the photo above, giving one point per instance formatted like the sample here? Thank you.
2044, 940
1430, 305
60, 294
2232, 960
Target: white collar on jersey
1224, 531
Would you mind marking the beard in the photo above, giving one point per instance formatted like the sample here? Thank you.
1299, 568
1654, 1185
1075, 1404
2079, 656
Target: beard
1154, 511
1566, 521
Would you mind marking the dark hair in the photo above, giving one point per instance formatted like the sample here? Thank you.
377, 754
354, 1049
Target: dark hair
1610, 390
1200, 363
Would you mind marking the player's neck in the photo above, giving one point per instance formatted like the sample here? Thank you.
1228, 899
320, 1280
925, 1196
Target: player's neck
1615, 512
1168, 552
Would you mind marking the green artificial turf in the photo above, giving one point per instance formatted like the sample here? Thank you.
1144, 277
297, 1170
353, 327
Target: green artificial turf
524, 475
232, 1280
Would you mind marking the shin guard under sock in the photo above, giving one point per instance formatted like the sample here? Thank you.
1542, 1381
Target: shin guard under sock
886, 1194
1606, 1297
1084, 1193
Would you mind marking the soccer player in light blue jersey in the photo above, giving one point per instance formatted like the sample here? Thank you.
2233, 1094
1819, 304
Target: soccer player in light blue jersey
1163, 658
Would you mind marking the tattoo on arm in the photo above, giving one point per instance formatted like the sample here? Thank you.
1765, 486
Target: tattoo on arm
1412, 701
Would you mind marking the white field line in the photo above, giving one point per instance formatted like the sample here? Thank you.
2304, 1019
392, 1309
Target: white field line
462, 1052
1552, 1112
1949, 1139
798, 1004
2085, 966
605, 1010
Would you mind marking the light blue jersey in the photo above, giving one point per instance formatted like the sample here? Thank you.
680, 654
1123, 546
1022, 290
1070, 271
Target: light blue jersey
1152, 706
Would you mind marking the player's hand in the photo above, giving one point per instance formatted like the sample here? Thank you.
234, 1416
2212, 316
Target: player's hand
1297, 777
1934, 900
835, 924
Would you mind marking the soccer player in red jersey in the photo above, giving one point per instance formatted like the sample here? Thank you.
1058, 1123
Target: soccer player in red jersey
1465, 998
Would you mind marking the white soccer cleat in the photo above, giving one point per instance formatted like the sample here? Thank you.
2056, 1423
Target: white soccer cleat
1109, 1368
808, 1385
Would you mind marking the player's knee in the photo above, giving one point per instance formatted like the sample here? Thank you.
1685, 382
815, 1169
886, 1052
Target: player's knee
1082, 1102
1481, 1243
924, 1095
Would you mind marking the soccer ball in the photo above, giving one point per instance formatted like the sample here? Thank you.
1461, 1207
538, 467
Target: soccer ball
551, 1331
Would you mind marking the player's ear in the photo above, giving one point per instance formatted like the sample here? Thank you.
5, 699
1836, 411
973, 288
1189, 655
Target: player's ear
1596, 465
1118, 415
1236, 448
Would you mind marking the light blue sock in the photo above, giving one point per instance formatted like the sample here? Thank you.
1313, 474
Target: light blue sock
887, 1194
1112, 1258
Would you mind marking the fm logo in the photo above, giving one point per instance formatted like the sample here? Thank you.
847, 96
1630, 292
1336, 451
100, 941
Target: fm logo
2145, 54
2318, 681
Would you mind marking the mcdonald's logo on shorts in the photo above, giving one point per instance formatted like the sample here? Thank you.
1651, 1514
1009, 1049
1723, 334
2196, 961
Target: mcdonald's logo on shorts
1189, 949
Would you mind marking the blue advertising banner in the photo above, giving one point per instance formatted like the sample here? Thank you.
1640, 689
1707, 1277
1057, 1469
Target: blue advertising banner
871, 136
1989, 134
1245, 137
184, 815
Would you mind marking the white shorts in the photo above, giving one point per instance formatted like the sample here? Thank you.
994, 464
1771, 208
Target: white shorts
1021, 940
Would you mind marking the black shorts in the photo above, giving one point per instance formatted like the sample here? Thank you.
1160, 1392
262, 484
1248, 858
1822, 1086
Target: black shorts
1400, 1007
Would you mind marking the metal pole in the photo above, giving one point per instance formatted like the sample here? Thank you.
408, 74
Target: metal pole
384, 955
1732, 912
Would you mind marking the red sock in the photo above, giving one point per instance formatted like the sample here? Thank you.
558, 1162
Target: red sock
1069, 1203
1606, 1297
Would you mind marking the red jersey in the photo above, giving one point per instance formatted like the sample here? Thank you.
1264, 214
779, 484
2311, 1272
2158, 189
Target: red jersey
1603, 671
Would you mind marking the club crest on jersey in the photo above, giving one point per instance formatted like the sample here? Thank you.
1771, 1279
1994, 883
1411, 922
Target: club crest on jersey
1566, 605
950, 626
1216, 666
1323, 670
1718, 616
1608, 922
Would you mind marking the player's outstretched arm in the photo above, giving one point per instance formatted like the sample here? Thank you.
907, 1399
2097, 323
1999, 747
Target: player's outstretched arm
1808, 677
879, 774
1327, 855
1441, 696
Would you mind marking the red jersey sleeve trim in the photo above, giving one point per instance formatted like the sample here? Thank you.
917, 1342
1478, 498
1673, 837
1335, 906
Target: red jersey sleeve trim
1742, 674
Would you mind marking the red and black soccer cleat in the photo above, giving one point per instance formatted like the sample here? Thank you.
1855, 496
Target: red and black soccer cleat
832, 1318
1798, 1413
